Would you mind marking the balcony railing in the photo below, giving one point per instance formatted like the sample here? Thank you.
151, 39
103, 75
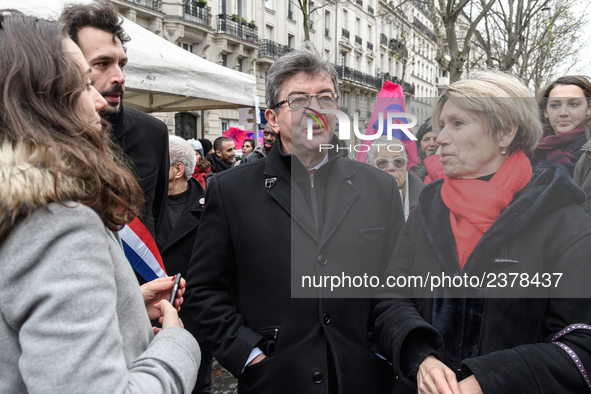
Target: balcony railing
358, 40
156, 5
196, 12
370, 46
345, 33
399, 47
348, 73
428, 32
407, 87
226, 25
273, 49
370, 9
383, 39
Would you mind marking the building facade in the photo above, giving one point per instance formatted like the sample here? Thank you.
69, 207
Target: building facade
369, 41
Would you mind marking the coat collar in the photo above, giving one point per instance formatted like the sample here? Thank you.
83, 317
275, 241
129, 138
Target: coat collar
280, 173
549, 189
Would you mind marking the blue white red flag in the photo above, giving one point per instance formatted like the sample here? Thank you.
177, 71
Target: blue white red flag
141, 251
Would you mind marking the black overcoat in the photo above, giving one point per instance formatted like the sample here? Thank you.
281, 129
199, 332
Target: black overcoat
256, 236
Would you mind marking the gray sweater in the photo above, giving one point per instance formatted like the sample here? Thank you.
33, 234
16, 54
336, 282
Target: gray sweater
72, 317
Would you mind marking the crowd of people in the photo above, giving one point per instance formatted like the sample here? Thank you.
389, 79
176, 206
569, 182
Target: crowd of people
492, 198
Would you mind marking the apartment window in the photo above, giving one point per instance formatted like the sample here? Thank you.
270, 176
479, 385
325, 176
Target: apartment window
290, 13
327, 23
224, 124
269, 4
311, 6
241, 65
224, 59
291, 41
343, 59
268, 32
186, 47
239, 6
222, 7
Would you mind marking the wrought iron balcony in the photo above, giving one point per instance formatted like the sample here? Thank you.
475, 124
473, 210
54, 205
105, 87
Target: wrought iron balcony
358, 40
383, 39
197, 12
235, 28
428, 32
399, 47
348, 73
272, 49
345, 33
155, 5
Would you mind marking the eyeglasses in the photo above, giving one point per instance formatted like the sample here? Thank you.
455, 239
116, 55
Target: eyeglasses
383, 164
297, 101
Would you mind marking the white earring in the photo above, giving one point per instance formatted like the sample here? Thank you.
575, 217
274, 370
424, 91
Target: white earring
504, 151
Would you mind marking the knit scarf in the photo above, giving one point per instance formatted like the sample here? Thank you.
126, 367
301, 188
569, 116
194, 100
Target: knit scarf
475, 204
562, 149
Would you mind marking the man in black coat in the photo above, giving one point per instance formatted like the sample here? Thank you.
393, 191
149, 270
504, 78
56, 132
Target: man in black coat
97, 30
178, 230
300, 212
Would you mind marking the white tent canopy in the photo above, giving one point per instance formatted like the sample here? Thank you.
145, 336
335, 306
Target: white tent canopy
160, 76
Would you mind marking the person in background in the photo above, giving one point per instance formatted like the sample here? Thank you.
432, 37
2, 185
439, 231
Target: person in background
83, 324
490, 214
247, 147
97, 29
223, 156
426, 146
565, 109
207, 146
203, 167
390, 155
261, 151
186, 198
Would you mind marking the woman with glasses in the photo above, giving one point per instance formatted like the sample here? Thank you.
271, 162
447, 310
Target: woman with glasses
390, 156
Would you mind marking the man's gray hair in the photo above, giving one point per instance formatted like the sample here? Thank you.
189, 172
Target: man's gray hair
182, 152
306, 60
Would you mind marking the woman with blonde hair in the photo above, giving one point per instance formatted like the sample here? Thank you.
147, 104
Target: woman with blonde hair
502, 253
73, 318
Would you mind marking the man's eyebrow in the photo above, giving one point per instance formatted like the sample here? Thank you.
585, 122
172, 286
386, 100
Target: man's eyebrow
106, 58
325, 90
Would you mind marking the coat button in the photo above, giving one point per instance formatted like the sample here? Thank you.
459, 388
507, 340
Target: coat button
326, 318
322, 260
317, 377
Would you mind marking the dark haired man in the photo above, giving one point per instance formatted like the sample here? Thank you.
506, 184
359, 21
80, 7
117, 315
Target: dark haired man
263, 150
97, 30
223, 154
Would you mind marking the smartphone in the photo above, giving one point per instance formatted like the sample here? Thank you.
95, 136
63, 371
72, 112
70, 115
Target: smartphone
175, 287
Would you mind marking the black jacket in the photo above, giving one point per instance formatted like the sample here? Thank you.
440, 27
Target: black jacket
504, 342
217, 164
257, 237
144, 140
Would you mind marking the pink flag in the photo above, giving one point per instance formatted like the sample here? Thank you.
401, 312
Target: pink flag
390, 99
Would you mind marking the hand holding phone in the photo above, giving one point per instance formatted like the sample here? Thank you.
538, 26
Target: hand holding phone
175, 288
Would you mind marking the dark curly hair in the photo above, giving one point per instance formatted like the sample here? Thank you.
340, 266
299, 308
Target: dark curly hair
101, 15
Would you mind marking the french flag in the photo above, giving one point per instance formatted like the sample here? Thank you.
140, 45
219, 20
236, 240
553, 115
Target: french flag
390, 99
141, 251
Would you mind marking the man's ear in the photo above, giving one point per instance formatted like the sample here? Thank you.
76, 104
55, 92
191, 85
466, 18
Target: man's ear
271, 116
218, 153
179, 170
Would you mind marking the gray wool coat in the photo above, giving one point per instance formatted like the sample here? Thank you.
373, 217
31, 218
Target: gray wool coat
72, 316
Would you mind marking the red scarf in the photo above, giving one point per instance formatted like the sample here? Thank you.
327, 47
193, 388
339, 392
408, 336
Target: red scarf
474, 204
